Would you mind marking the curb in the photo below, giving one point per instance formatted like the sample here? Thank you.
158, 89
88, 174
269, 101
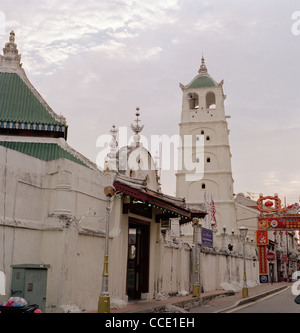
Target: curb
252, 299
183, 306
188, 304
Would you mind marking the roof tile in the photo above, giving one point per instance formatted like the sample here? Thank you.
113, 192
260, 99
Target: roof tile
42, 151
19, 104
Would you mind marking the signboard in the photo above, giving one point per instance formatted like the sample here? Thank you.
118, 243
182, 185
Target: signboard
270, 256
207, 237
283, 222
263, 278
262, 237
262, 253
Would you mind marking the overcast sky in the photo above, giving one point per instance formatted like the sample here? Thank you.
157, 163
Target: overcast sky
95, 61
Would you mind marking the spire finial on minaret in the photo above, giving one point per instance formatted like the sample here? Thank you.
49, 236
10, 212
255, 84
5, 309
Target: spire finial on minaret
203, 69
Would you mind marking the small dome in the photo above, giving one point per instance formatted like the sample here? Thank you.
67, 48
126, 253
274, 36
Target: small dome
202, 82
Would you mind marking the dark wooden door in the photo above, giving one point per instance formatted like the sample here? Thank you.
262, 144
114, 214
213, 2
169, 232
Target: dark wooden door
138, 259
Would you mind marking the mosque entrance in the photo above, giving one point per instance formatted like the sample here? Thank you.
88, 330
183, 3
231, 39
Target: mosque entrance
138, 258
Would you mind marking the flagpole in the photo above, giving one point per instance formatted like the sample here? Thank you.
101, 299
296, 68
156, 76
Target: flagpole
205, 219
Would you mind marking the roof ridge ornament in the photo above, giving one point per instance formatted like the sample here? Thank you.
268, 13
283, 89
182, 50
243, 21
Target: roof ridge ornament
113, 143
111, 162
11, 51
137, 128
202, 70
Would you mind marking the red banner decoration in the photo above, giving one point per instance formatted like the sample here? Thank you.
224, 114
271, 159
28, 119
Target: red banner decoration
286, 222
262, 253
262, 237
273, 217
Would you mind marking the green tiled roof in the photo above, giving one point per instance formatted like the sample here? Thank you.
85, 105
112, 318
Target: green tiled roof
42, 151
18, 104
202, 82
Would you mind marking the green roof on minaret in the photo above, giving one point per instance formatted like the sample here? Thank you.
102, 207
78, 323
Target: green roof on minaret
203, 79
202, 82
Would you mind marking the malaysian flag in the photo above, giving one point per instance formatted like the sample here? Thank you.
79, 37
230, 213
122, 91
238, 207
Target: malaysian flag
213, 213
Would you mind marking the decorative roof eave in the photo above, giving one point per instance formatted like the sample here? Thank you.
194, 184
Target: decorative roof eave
157, 200
33, 126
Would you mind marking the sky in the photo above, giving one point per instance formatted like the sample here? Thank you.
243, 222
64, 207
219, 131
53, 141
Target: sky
95, 61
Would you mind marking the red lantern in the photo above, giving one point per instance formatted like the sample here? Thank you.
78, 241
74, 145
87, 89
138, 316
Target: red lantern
268, 204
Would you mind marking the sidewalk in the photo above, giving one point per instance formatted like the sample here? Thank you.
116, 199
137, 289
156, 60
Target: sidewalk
209, 302
224, 304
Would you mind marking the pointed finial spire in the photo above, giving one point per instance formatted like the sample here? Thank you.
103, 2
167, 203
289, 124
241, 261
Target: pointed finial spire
111, 158
114, 143
203, 69
12, 37
137, 128
10, 51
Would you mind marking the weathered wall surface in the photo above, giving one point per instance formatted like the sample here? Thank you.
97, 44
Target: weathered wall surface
54, 213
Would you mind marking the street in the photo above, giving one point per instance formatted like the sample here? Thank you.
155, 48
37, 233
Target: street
281, 302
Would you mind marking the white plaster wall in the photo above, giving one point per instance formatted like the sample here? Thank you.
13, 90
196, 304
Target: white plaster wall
34, 228
73, 243
173, 269
220, 271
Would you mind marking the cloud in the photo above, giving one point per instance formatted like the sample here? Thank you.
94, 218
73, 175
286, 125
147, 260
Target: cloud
94, 61
53, 31
117, 50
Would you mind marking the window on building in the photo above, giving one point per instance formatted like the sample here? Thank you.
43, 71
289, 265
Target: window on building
194, 100
210, 100
203, 186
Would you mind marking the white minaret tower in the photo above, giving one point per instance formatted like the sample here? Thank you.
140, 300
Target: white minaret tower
206, 174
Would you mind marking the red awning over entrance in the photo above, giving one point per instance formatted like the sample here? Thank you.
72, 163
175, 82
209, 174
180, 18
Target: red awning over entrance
168, 207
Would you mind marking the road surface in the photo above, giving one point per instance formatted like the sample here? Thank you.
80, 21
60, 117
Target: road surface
280, 302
